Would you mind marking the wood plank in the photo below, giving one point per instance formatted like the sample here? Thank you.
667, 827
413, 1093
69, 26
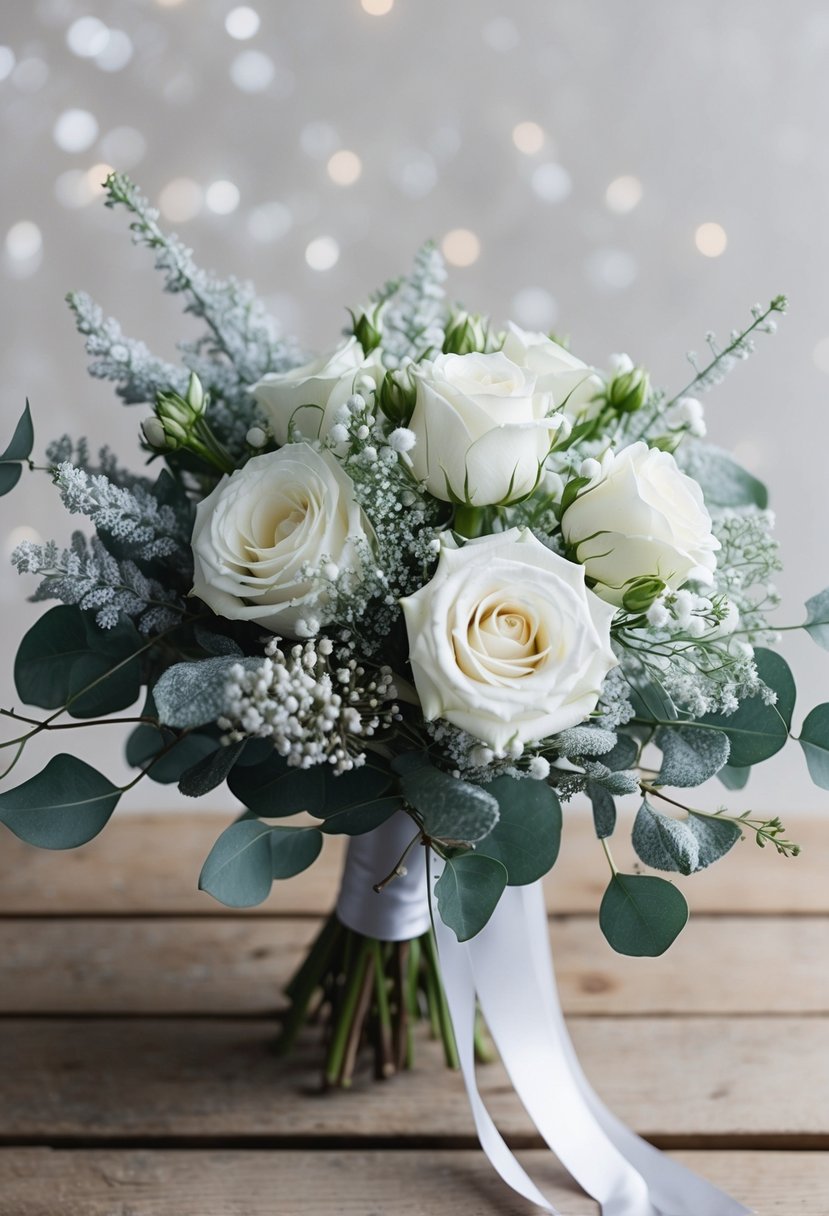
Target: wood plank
691, 1082
40, 1182
238, 966
150, 863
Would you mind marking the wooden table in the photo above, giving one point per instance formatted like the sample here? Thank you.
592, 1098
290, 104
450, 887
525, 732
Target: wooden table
138, 1078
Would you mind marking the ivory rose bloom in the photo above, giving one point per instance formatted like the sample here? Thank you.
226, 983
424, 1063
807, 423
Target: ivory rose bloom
310, 395
571, 384
642, 517
254, 534
483, 431
507, 642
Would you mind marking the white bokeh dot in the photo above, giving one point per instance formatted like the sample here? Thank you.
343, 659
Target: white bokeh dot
87, 37
413, 171
534, 308
23, 240
344, 167
322, 253
181, 200
711, 239
116, 54
623, 194
820, 355
30, 74
242, 22
75, 130
528, 137
252, 71
461, 247
551, 182
319, 140
7, 61
222, 197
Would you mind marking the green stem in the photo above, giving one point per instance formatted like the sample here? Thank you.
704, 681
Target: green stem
356, 975
386, 1066
447, 1034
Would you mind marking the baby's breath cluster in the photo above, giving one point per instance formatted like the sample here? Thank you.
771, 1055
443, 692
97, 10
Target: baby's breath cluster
316, 703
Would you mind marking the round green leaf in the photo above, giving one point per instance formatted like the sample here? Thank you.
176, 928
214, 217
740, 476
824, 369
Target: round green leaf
450, 809
145, 742
468, 891
734, 778
275, 789
294, 850
756, 730
238, 869
527, 836
641, 915
356, 820
814, 739
61, 807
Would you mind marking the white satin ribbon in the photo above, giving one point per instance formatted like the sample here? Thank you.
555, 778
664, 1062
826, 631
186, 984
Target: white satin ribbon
400, 912
509, 967
507, 970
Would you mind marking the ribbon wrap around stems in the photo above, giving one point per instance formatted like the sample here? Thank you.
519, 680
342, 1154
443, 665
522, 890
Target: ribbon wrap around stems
507, 971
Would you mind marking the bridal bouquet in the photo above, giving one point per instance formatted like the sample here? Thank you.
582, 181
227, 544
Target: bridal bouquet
421, 591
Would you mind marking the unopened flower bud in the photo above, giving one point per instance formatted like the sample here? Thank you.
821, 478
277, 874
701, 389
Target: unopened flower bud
196, 397
367, 330
256, 437
628, 391
397, 397
641, 593
153, 431
466, 333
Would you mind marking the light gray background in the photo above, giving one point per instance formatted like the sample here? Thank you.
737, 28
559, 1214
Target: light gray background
718, 108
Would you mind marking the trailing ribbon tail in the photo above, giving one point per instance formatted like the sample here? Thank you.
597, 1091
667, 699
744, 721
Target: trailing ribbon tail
508, 968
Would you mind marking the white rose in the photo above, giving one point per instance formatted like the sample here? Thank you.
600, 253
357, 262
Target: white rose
309, 396
507, 642
261, 529
642, 517
572, 385
483, 432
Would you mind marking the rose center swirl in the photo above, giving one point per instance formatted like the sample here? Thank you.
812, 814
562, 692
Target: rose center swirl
505, 640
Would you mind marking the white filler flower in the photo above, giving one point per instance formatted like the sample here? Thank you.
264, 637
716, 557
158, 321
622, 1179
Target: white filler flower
507, 642
642, 517
267, 529
309, 396
483, 431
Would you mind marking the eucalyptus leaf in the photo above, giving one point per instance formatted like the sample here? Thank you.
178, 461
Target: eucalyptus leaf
683, 845
756, 730
690, 755
238, 870
193, 694
210, 771
216, 644
623, 753
641, 915
651, 702
814, 739
468, 891
275, 789
19, 450
724, 483
449, 809
146, 742
362, 818
527, 837
64, 652
293, 850
734, 778
61, 807
817, 618
356, 785
604, 810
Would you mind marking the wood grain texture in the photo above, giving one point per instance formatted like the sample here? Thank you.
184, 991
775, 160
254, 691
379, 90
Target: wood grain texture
150, 864
238, 966
44, 1182
691, 1082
